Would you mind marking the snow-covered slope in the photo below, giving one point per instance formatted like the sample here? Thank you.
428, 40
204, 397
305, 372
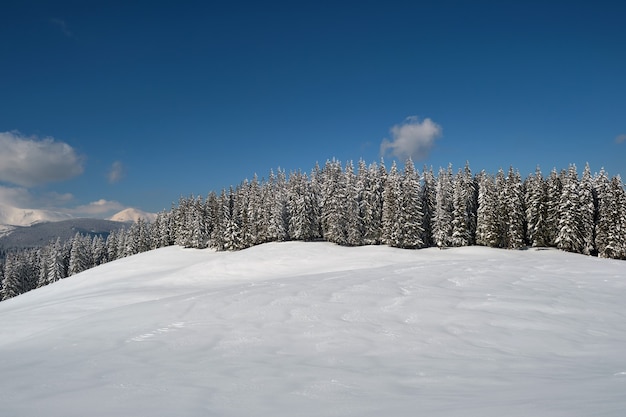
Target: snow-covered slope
132, 215
313, 329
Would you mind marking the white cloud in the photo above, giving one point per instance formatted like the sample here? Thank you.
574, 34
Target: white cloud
620, 138
117, 172
412, 139
32, 161
15, 197
20, 197
98, 208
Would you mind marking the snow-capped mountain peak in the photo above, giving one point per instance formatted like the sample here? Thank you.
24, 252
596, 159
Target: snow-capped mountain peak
132, 215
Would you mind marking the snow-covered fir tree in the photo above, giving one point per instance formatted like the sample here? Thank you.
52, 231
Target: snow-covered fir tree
334, 197
232, 230
514, 206
301, 204
278, 222
569, 230
460, 211
11, 281
554, 189
219, 229
373, 181
611, 224
353, 204
588, 210
429, 203
254, 208
410, 233
443, 215
56, 263
536, 210
81, 256
391, 207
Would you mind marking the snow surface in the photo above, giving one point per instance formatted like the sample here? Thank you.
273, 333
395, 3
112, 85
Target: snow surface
314, 329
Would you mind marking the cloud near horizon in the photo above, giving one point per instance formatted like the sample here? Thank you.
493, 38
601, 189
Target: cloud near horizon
15, 197
412, 139
22, 198
98, 208
30, 161
116, 173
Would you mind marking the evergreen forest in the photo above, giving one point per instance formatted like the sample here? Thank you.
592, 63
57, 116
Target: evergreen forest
361, 205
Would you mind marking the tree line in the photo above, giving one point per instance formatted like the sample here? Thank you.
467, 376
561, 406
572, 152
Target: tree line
362, 205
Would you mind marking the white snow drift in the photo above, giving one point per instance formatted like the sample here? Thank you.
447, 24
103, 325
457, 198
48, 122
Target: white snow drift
314, 329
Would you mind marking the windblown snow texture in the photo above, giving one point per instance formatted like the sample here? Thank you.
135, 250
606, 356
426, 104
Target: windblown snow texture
314, 329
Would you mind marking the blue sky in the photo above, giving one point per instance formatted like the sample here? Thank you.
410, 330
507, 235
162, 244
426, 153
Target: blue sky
114, 104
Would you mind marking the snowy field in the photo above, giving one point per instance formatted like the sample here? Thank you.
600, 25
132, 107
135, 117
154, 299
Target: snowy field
314, 329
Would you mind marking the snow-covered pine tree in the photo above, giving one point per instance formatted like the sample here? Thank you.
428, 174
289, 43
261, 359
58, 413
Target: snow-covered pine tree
334, 199
316, 198
79, 255
301, 205
211, 210
620, 212
232, 230
442, 217
611, 224
373, 200
391, 207
2, 273
569, 234
161, 230
429, 202
121, 243
470, 186
198, 222
602, 186
588, 211
111, 245
364, 190
11, 282
536, 210
20, 273
241, 203
460, 210
487, 221
410, 215
514, 205
278, 227
44, 254
138, 240
352, 204
182, 229
131, 241
254, 211
219, 229
56, 263
554, 189
98, 250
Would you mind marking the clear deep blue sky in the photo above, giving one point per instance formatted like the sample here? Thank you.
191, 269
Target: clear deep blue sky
134, 103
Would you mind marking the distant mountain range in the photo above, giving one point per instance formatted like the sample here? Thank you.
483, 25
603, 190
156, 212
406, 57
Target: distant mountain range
26, 228
41, 234
13, 216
